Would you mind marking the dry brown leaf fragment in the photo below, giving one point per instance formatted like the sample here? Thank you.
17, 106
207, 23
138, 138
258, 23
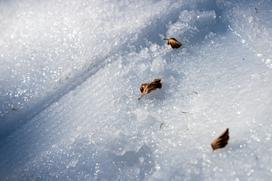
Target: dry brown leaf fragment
149, 87
221, 141
174, 43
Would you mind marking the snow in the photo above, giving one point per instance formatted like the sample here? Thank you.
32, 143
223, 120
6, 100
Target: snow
70, 78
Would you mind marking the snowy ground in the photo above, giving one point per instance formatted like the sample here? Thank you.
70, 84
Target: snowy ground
70, 77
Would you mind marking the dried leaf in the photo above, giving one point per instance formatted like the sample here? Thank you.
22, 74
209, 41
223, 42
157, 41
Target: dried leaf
174, 43
221, 141
149, 87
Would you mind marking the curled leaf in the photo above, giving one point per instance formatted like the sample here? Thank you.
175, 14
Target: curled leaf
221, 141
149, 87
174, 43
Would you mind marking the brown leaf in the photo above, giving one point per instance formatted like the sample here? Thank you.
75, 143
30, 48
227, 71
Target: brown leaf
149, 87
221, 141
174, 43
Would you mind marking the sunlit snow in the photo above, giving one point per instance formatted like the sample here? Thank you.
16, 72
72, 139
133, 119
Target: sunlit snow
70, 77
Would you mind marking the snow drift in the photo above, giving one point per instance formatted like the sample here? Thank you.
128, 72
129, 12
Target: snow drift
70, 77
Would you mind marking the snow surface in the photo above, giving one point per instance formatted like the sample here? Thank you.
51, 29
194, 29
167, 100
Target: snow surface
70, 77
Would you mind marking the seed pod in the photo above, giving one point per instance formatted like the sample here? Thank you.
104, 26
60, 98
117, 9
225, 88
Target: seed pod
173, 43
149, 87
221, 141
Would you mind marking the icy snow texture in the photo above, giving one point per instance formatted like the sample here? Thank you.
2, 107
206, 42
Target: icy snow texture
70, 77
49, 47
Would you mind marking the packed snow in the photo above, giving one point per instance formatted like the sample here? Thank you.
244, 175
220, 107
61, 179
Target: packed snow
70, 78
